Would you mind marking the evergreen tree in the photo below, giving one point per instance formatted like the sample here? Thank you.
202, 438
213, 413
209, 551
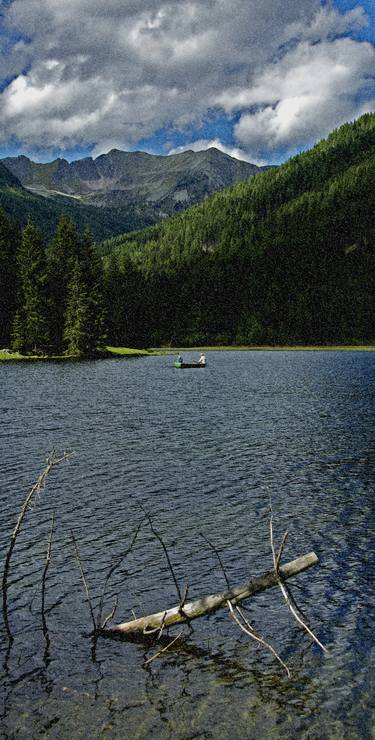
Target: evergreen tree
62, 255
9, 241
92, 270
84, 318
78, 333
30, 328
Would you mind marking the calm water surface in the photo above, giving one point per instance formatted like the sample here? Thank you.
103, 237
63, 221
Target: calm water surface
202, 451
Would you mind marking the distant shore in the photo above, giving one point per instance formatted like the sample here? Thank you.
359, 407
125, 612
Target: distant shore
273, 348
9, 356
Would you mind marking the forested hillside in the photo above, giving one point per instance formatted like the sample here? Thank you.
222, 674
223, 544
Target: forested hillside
287, 256
21, 205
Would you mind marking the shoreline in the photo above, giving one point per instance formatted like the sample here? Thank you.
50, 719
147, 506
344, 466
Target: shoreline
129, 352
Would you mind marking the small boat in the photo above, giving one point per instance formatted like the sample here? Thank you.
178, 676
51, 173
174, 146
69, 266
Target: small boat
190, 364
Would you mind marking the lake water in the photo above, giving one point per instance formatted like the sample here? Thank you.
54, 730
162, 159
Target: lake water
203, 452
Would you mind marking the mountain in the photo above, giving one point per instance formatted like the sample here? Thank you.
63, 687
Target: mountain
286, 256
7, 178
21, 205
122, 179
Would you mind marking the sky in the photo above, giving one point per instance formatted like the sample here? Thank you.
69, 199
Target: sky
259, 79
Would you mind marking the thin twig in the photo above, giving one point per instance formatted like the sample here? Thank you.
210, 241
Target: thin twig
249, 630
219, 559
159, 630
184, 597
112, 569
44, 577
158, 537
111, 615
52, 460
285, 593
281, 550
84, 580
163, 649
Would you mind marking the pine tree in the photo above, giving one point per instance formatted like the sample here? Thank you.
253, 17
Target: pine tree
92, 270
30, 327
9, 241
62, 255
79, 333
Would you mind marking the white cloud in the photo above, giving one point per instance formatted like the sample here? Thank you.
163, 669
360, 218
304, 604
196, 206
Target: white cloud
94, 72
303, 96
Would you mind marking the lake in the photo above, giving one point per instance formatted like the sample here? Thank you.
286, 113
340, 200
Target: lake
203, 451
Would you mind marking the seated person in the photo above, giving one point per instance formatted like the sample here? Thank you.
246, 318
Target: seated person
179, 358
202, 359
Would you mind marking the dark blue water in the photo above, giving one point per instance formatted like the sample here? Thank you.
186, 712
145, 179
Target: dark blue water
203, 451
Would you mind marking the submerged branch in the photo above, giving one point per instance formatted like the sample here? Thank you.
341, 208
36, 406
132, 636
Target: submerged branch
209, 604
38, 486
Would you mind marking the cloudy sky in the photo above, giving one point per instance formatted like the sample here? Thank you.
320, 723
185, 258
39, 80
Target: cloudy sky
260, 79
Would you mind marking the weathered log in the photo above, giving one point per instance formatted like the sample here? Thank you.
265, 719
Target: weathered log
209, 604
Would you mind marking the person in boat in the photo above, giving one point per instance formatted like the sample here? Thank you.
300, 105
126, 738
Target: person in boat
202, 359
179, 358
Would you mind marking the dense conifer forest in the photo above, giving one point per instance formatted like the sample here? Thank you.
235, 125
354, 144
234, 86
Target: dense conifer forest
284, 257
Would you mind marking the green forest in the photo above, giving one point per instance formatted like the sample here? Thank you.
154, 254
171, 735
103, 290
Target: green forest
286, 257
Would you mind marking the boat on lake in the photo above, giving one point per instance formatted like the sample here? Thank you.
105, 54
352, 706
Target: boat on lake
189, 364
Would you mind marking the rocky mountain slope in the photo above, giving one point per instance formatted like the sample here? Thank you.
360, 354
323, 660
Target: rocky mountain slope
118, 179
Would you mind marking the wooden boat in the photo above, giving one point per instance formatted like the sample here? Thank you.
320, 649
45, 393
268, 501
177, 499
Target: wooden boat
189, 364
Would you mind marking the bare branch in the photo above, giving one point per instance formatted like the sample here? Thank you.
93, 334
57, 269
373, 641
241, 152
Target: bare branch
158, 537
281, 549
218, 557
163, 649
52, 460
209, 604
285, 593
44, 577
83, 580
112, 569
111, 615
249, 630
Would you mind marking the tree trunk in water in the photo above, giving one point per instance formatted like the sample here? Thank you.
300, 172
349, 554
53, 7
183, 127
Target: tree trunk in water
208, 604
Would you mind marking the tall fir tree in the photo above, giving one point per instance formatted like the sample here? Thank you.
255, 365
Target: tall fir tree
9, 242
30, 327
92, 269
80, 337
62, 255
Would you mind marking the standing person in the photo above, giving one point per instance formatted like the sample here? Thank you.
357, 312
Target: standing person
202, 359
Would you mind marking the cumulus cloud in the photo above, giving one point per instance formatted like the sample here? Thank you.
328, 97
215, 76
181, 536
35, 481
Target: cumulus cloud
89, 72
304, 95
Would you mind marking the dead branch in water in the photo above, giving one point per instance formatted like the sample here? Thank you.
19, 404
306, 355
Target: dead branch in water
52, 460
210, 604
79, 561
249, 630
284, 591
44, 577
110, 573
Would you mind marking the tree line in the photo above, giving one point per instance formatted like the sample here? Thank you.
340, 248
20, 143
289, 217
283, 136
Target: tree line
287, 256
52, 298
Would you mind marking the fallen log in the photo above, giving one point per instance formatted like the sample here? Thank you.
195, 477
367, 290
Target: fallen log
184, 613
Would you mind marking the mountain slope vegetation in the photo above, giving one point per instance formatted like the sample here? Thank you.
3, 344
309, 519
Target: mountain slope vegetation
21, 205
286, 256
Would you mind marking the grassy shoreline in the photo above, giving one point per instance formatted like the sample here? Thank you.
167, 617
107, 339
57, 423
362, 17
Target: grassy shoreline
128, 352
272, 348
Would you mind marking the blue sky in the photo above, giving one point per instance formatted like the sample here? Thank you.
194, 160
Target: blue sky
259, 79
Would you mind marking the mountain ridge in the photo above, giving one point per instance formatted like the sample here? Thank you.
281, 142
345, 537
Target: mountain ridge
119, 178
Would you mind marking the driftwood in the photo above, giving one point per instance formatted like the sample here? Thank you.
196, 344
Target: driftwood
184, 613
37, 488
